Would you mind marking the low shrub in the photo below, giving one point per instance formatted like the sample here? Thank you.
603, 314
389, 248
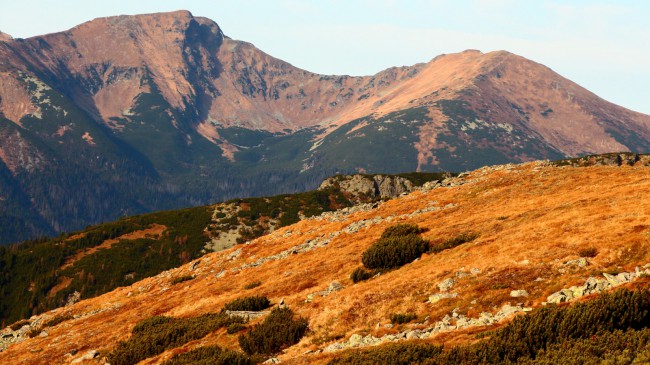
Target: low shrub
400, 318
394, 251
58, 319
400, 230
234, 328
180, 279
253, 304
253, 284
361, 274
154, 335
588, 252
390, 354
453, 242
18, 325
213, 355
279, 330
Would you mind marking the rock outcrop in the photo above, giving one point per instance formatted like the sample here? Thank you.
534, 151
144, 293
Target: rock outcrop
449, 322
595, 285
369, 186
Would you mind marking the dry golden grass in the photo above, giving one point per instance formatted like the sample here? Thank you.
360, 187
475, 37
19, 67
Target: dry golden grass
531, 220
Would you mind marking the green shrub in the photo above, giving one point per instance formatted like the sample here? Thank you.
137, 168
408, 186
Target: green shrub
279, 330
210, 355
400, 230
254, 304
394, 251
400, 318
361, 274
234, 328
453, 242
252, 284
588, 252
389, 354
180, 279
154, 335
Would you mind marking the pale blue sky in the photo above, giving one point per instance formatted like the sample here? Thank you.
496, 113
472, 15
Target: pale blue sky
602, 45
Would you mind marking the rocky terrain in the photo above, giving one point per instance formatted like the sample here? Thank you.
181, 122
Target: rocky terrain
131, 114
534, 234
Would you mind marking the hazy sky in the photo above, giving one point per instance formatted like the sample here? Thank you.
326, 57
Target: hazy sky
602, 45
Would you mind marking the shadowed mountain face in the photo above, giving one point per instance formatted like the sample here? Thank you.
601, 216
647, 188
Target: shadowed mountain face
130, 114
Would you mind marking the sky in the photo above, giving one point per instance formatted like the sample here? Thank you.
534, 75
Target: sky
602, 45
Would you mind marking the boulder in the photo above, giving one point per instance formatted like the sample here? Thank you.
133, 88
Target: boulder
438, 297
377, 186
446, 284
355, 340
519, 293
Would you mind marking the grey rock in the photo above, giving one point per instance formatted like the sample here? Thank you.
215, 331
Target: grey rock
438, 297
334, 287
235, 254
247, 315
72, 298
581, 262
370, 186
446, 284
355, 340
412, 335
519, 293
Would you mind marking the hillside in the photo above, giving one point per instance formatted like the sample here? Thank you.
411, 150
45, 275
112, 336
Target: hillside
557, 231
44, 274
131, 114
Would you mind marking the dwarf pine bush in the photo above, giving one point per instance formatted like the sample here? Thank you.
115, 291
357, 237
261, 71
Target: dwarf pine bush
394, 251
254, 304
279, 330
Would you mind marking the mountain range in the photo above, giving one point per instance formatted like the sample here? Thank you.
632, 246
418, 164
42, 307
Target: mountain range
130, 114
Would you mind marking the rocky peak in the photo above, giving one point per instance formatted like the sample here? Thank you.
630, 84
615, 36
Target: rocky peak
5, 36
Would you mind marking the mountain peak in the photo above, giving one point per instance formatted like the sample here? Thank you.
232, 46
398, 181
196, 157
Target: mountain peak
170, 21
5, 36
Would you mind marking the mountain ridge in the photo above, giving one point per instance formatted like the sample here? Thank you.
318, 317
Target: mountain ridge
161, 111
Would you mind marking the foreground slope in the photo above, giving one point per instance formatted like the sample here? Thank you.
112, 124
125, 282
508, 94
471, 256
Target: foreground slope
130, 114
534, 221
